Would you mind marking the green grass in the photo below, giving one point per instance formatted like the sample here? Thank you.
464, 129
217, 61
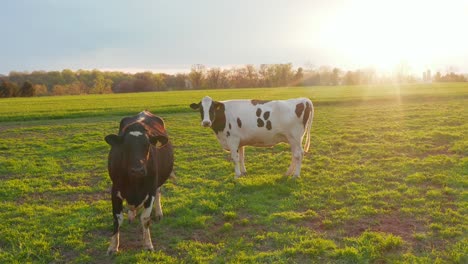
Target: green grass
385, 181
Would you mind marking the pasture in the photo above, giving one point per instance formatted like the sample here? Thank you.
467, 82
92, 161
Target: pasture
385, 181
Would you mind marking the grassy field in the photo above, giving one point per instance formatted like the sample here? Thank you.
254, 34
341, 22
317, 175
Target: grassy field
385, 181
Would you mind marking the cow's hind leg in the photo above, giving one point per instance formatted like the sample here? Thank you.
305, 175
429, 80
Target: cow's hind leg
292, 166
297, 154
145, 219
118, 219
158, 209
241, 161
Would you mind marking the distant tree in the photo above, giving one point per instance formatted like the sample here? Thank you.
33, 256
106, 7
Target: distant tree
251, 75
76, 88
437, 77
213, 78
144, 82
68, 76
159, 82
238, 78
176, 82
311, 77
264, 75
27, 90
298, 77
196, 75
55, 77
8, 89
452, 77
325, 75
335, 76
280, 74
402, 72
17, 77
59, 90
124, 86
368, 76
40, 89
274, 75
87, 77
101, 85
352, 78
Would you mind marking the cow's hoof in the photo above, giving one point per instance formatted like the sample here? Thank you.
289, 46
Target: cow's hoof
296, 177
112, 251
244, 173
158, 218
150, 249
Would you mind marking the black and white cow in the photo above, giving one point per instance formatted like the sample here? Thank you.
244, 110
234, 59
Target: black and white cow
140, 160
239, 123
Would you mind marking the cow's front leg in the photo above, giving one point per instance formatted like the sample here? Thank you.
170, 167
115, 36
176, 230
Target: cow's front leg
241, 160
145, 220
158, 208
234, 148
118, 219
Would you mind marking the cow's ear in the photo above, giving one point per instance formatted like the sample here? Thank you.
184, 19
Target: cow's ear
218, 106
155, 139
195, 106
113, 140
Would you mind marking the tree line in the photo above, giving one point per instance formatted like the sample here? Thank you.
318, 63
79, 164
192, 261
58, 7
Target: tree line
68, 82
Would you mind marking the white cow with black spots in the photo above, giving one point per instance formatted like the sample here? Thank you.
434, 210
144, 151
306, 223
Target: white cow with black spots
239, 123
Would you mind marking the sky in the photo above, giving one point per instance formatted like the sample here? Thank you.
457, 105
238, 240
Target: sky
170, 36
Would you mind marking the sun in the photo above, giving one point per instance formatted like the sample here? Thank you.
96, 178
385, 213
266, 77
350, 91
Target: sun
384, 34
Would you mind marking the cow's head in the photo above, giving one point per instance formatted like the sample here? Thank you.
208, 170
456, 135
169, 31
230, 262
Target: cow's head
135, 146
209, 110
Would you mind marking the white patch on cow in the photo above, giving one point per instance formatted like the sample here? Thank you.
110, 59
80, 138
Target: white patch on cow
206, 104
147, 211
158, 209
114, 244
120, 218
145, 221
136, 133
119, 195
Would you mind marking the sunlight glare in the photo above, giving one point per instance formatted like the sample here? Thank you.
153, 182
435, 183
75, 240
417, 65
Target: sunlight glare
383, 34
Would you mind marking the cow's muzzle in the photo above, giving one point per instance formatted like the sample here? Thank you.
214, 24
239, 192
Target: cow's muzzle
206, 123
138, 172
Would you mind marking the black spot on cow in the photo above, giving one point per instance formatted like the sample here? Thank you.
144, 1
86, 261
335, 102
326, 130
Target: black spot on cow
239, 122
256, 102
217, 116
230, 127
228, 134
266, 115
268, 125
299, 109
308, 109
259, 112
260, 122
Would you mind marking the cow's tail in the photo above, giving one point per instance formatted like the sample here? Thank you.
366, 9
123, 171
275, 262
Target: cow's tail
308, 126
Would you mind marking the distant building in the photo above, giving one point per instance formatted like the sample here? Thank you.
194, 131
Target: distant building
426, 76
